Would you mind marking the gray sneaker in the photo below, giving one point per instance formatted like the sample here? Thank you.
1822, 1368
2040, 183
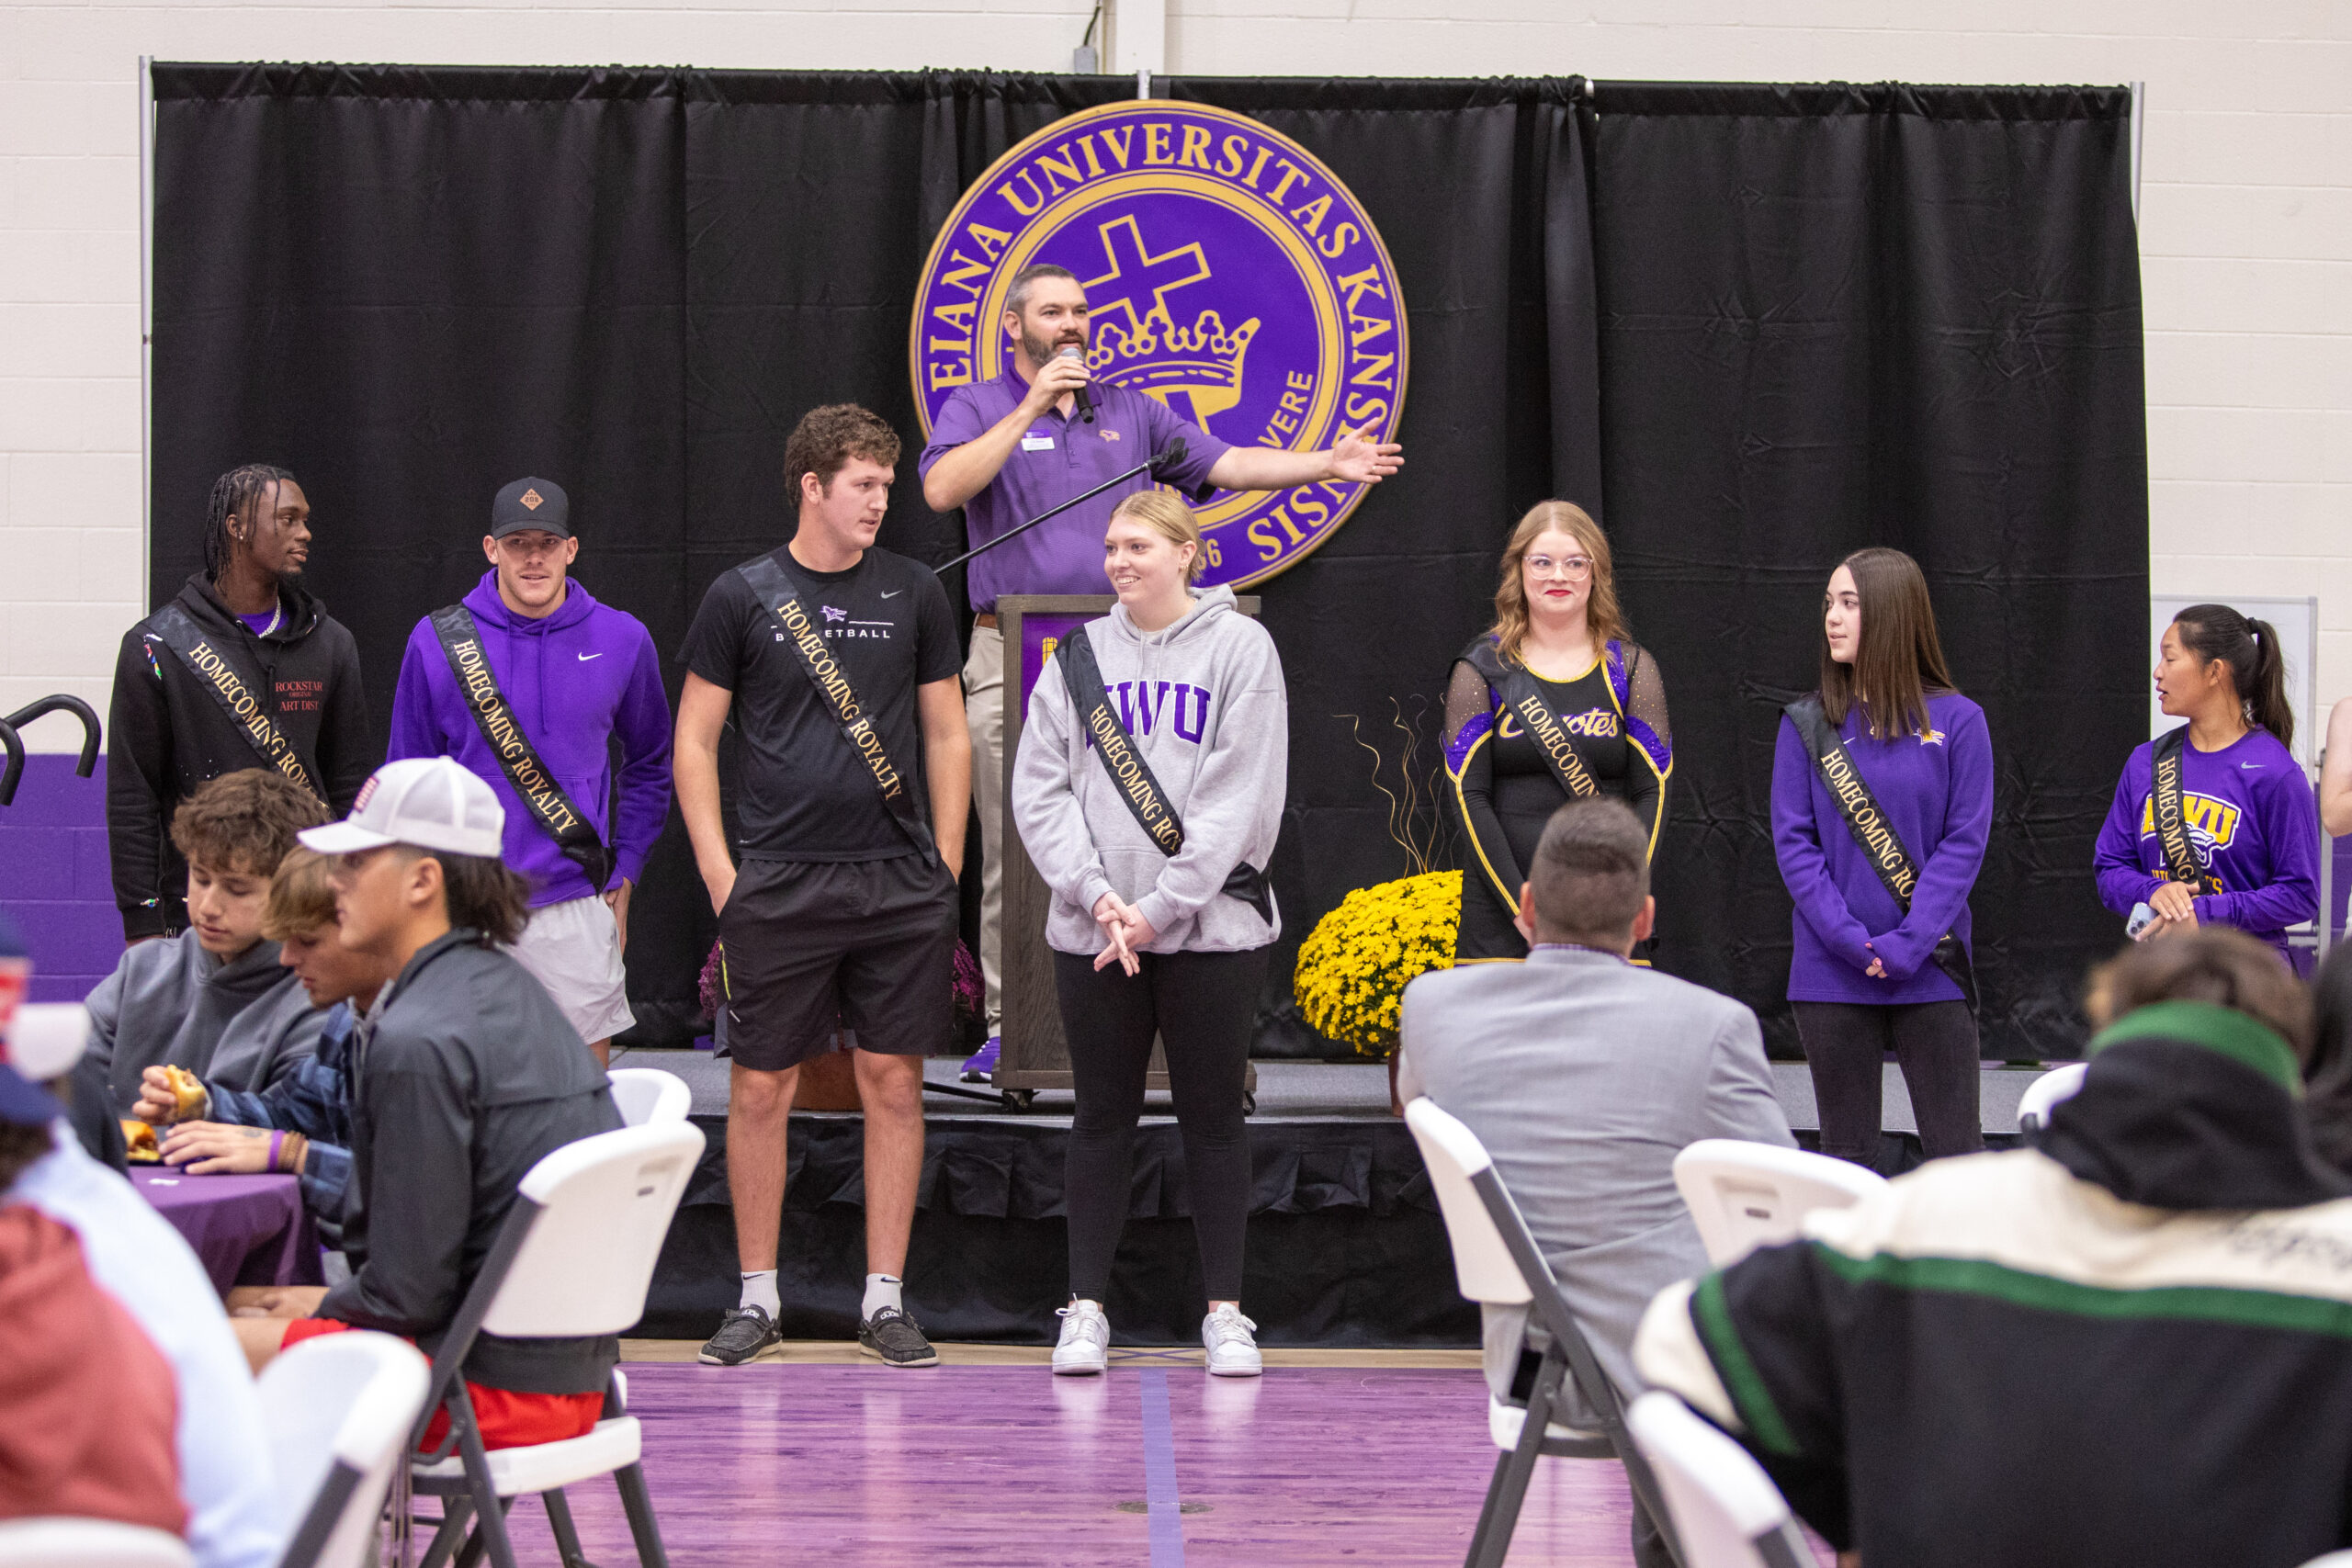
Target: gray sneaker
743, 1333
891, 1335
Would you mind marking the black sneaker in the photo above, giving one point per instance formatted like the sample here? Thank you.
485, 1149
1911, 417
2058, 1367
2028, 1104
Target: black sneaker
743, 1333
892, 1336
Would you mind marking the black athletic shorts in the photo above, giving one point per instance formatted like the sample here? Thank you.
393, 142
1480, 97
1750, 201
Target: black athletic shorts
813, 946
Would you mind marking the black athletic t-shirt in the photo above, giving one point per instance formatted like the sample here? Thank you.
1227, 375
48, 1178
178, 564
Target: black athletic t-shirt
803, 794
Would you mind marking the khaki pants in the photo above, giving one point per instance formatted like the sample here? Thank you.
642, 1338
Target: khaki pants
984, 716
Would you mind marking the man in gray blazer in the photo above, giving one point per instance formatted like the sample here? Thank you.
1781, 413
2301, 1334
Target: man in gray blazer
1585, 1075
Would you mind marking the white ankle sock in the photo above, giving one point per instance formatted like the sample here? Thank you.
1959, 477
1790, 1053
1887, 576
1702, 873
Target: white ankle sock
759, 1290
881, 1291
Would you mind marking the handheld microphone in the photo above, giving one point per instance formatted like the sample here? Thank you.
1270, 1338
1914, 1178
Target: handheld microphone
1085, 398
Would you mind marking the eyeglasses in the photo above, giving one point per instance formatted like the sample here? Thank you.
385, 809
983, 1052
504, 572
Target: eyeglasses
1574, 568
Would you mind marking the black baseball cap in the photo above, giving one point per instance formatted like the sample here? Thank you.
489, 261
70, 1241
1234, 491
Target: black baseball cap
531, 503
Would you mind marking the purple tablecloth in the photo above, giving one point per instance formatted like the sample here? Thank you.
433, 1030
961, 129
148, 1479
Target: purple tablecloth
247, 1230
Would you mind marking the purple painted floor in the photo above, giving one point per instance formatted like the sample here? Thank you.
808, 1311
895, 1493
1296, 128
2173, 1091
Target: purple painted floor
1154, 1466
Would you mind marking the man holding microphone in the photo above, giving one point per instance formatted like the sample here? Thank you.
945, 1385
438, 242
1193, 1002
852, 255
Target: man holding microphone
1030, 439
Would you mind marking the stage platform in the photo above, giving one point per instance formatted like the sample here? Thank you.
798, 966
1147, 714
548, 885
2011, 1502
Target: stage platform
1343, 1091
1346, 1245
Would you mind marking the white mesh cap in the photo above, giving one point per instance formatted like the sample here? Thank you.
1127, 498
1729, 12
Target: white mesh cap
429, 802
47, 1039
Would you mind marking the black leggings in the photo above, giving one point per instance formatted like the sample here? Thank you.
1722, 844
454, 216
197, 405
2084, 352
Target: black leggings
1846, 1046
1201, 1005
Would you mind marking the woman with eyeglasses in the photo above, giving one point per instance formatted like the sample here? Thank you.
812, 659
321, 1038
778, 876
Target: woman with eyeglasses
1551, 703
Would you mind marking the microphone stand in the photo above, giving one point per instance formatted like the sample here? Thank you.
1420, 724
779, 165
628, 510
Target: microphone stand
1174, 454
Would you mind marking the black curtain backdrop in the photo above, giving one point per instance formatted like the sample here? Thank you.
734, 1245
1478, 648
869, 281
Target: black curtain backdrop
1773, 324
1834, 317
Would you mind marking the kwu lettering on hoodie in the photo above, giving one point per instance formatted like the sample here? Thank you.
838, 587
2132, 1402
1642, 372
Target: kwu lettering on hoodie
1144, 703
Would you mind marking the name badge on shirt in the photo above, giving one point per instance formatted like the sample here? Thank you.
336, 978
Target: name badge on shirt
1036, 444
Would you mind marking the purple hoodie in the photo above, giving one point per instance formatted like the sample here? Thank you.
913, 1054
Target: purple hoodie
1938, 796
2252, 823
582, 675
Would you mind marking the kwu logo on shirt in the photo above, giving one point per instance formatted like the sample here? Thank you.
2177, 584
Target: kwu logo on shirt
838, 626
2213, 823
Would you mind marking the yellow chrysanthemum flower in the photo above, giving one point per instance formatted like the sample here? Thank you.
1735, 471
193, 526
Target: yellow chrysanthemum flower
1353, 967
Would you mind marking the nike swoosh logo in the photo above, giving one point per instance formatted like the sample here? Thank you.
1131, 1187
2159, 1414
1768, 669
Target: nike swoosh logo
894, 594
586, 656
2254, 766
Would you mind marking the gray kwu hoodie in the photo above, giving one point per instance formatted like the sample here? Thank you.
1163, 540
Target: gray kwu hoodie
1203, 699
245, 1023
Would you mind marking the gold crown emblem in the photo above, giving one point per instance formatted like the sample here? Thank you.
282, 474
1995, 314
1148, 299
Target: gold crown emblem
532, 500
1159, 359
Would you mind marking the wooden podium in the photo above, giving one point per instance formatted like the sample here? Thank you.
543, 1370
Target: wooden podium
1035, 1055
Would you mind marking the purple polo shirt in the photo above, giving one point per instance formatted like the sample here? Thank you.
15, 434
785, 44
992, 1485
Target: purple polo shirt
1055, 460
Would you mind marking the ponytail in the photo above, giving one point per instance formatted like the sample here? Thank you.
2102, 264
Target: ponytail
2257, 664
2266, 689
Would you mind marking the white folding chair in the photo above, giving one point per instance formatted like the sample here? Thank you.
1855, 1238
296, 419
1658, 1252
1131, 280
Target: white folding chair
1728, 1512
575, 1259
88, 1543
1744, 1195
1497, 1263
648, 1097
2057, 1084
339, 1411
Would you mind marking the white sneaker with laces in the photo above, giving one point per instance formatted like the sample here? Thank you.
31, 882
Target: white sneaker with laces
1232, 1350
1085, 1345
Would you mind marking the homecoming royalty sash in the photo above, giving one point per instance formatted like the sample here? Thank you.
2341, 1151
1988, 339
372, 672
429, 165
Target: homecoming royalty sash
2172, 821
1133, 777
782, 593
1881, 844
535, 786
216, 670
1522, 695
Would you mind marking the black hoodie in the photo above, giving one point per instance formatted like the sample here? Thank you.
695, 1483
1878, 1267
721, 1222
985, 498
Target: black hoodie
167, 733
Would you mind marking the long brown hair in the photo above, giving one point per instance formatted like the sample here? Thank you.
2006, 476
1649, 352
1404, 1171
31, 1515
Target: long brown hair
2257, 667
1601, 615
1900, 660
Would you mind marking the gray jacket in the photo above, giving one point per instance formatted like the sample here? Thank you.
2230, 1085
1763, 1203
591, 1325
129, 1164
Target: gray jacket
1203, 699
1585, 1075
244, 1024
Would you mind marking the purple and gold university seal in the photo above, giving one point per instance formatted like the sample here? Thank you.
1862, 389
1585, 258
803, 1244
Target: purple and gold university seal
1228, 274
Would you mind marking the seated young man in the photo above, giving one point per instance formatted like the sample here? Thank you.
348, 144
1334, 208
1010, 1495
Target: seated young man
300, 1124
1585, 1075
469, 1076
2123, 1346
213, 1000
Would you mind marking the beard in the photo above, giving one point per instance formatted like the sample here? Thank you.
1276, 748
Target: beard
1040, 350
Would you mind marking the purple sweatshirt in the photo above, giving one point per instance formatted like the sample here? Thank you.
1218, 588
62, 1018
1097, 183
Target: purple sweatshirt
584, 674
1938, 796
2251, 822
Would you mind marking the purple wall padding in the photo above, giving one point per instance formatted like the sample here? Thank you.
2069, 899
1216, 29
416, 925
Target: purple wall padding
55, 881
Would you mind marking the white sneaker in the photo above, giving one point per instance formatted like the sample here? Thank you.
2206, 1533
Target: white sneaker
1233, 1353
1085, 1345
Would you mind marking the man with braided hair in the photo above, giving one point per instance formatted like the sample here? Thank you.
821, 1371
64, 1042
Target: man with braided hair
241, 668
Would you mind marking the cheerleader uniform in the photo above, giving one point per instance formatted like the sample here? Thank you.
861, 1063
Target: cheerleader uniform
1504, 790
